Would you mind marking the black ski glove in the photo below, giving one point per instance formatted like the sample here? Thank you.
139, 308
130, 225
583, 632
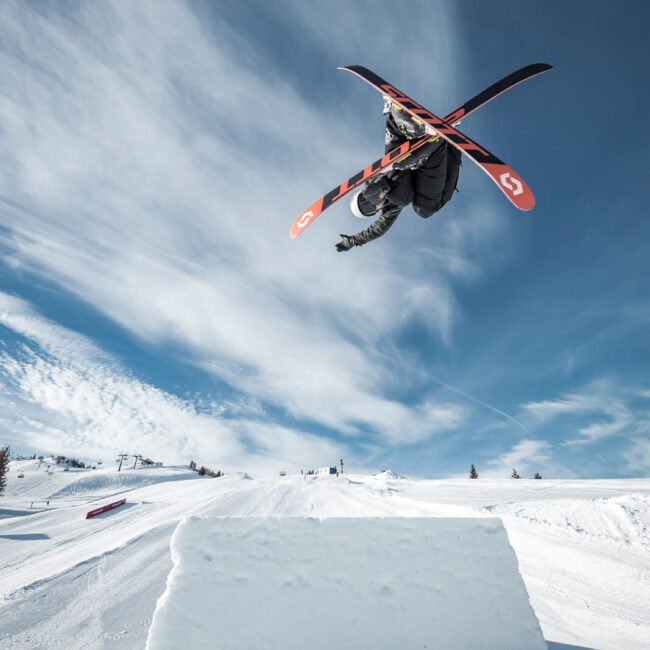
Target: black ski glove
346, 243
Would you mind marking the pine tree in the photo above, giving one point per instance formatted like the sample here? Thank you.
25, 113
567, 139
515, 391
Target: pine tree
472, 472
537, 475
4, 468
514, 474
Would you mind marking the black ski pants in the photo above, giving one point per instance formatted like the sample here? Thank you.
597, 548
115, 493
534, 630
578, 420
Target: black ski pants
429, 186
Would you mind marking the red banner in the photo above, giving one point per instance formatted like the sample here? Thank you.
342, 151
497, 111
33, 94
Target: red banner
99, 511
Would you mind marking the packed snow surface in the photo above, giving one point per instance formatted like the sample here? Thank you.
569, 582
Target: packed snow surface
67, 582
257, 583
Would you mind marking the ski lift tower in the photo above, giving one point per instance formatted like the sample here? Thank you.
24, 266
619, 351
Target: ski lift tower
122, 457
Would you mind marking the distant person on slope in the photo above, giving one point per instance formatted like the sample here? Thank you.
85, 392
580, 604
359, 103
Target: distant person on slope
427, 178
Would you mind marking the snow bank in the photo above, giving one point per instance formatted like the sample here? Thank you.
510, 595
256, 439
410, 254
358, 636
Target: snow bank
80, 484
586, 563
289, 583
130, 479
388, 474
623, 520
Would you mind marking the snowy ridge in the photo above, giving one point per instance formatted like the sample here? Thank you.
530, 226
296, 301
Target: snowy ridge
388, 474
126, 480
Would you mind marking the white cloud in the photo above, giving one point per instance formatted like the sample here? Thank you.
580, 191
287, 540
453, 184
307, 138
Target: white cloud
621, 420
568, 405
527, 456
637, 453
16, 315
603, 403
153, 167
67, 395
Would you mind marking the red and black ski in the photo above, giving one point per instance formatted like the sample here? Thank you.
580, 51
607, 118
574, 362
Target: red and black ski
408, 147
364, 175
507, 181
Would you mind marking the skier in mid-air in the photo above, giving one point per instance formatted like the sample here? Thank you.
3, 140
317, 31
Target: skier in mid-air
426, 178
423, 168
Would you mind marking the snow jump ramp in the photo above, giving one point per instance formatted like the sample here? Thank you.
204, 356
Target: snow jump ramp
268, 583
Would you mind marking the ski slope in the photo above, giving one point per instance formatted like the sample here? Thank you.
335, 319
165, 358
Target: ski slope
582, 546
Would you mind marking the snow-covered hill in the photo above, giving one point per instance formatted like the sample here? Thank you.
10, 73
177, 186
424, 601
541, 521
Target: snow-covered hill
583, 546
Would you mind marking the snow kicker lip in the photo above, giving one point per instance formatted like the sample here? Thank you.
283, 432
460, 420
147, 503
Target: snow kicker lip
383, 582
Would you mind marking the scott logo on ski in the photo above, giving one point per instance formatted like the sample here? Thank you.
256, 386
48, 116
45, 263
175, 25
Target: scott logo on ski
305, 219
517, 189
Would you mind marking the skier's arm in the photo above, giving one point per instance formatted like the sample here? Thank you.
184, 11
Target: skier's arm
382, 224
378, 227
373, 231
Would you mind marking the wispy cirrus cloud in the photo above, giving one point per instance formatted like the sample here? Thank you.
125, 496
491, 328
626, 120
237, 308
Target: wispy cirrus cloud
593, 415
156, 179
63, 393
599, 410
594, 430
567, 405
526, 456
637, 453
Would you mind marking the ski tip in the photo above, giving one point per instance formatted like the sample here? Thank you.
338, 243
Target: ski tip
528, 204
357, 69
525, 201
512, 185
306, 218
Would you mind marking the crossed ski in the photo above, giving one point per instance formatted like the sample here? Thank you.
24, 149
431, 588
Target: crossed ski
508, 182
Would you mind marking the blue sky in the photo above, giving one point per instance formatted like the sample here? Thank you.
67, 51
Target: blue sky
153, 156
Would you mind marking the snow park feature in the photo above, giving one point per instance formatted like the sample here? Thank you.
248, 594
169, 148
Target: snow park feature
582, 546
110, 506
367, 584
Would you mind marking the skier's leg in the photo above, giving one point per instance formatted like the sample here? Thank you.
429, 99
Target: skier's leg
401, 188
369, 200
429, 183
391, 190
453, 170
